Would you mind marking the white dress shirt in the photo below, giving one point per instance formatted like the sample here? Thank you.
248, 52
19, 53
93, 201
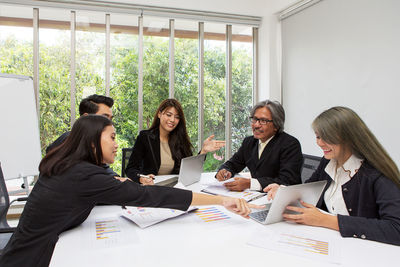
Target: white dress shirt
254, 183
333, 196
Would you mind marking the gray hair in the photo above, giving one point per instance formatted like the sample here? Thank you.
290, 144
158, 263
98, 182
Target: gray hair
277, 112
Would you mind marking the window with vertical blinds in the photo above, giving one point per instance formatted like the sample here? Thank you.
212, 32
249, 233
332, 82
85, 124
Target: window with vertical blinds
124, 68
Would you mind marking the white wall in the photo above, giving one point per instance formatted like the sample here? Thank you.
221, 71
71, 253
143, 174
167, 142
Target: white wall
270, 50
343, 53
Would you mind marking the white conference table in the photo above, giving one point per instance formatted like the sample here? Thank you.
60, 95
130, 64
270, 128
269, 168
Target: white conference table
187, 241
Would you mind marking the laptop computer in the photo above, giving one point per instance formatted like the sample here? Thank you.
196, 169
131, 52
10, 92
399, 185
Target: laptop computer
189, 173
288, 196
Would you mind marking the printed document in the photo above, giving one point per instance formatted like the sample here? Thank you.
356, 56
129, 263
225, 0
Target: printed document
145, 217
218, 188
300, 243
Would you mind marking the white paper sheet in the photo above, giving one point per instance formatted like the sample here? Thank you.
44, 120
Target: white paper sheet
300, 243
106, 231
145, 217
220, 189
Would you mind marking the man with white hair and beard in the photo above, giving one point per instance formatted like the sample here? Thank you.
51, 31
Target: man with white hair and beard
271, 155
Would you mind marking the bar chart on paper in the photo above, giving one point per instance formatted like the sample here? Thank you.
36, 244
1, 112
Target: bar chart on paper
106, 229
305, 244
210, 214
107, 232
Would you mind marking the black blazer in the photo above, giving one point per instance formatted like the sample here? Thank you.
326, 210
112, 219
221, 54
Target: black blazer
280, 161
58, 141
145, 157
373, 203
61, 202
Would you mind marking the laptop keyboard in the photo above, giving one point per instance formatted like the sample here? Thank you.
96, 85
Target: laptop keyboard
259, 215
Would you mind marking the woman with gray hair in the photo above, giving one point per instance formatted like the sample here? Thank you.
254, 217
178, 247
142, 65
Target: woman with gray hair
362, 194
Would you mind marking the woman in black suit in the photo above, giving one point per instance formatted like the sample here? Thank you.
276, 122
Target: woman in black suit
362, 194
71, 182
159, 150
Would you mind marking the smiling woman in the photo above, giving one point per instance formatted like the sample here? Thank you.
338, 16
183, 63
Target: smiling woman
108, 145
73, 180
362, 194
159, 150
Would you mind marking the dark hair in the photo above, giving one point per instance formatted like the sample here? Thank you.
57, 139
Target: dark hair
82, 144
277, 113
90, 105
179, 141
342, 126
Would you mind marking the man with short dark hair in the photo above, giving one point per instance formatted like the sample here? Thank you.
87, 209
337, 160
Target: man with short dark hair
271, 155
93, 104
97, 104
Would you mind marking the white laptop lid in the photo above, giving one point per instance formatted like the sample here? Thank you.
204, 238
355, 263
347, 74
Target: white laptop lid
191, 169
290, 196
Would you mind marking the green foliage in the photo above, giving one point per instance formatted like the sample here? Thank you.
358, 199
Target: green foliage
124, 84
16, 58
54, 93
186, 84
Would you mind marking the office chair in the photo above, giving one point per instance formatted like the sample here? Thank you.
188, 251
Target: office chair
5, 230
310, 164
126, 154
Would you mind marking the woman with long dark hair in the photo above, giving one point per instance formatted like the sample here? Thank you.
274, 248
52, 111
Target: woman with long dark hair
159, 150
73, 180
362, 194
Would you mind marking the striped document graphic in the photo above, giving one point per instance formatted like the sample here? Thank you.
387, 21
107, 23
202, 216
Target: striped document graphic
211, 214
306, 244
106, 229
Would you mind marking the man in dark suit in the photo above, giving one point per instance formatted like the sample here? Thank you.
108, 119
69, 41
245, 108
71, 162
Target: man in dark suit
271, 155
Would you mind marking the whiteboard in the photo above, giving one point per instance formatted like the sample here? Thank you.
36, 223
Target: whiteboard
343, 52
19, 135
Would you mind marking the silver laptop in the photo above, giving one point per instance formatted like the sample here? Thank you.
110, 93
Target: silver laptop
289, 196
189, 173
191, 169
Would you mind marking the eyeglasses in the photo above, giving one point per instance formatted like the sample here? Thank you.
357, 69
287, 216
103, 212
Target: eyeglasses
261, 121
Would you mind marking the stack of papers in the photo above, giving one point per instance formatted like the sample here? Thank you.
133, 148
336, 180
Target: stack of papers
218, 188
145, 217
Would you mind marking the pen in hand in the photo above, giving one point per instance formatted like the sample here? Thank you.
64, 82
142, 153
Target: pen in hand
227, 175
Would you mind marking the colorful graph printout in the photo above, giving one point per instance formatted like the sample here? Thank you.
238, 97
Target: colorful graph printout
307, 244
315, 246
211, 214
106, 229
